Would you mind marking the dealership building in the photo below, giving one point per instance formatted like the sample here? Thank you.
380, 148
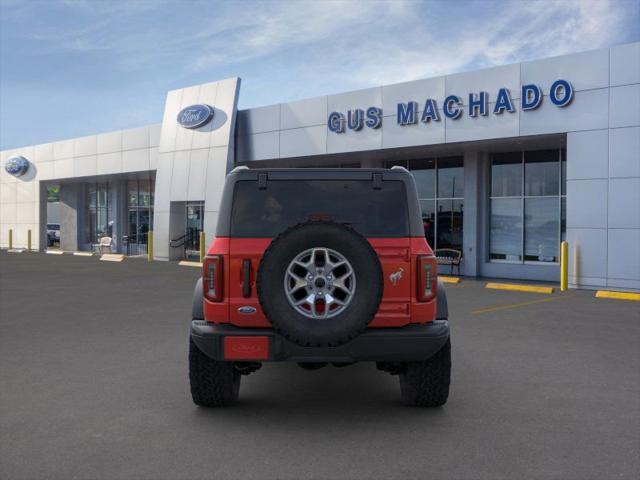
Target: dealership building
509, 161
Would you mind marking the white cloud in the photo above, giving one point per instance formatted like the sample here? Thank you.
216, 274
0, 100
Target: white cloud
533, 30
383, 41
290, 25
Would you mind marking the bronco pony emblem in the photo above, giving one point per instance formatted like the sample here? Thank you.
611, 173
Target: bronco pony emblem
395, 277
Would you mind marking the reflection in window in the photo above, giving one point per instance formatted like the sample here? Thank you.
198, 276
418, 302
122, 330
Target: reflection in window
506, 175
541, 173
424, 173
450, 177
428, 208
100, 212
449, 224
541, 226
140, 214
440, 184
527, 206
506, 229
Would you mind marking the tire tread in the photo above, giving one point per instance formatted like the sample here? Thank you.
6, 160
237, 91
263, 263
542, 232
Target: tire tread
426, 383
213, 383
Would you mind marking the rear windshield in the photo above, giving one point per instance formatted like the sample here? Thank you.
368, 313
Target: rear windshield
268, 212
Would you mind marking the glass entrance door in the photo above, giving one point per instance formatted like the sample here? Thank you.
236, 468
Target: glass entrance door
140, 215
194, 225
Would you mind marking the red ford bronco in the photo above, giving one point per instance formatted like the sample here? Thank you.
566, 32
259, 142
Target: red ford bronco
319, 266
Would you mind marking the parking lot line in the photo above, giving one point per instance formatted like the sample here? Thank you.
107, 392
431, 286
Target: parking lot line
618, 295
516, 305
515, 287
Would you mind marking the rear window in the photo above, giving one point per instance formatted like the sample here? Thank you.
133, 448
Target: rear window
268, 212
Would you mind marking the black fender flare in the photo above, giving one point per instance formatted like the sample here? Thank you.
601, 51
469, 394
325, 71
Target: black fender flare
197, 304
442, 307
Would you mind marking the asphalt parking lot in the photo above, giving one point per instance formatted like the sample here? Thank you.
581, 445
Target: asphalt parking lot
93, 385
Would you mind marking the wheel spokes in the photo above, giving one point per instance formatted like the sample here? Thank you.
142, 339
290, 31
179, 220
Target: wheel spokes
319, 283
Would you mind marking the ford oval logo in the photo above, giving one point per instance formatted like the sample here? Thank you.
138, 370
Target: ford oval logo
247, 310
17, 166
195, 116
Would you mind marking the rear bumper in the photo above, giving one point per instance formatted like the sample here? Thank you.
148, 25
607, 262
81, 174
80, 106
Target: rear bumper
410, 343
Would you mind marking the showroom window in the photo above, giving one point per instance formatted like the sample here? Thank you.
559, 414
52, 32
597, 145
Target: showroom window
527, 206
440, 183
100, 212
139, 214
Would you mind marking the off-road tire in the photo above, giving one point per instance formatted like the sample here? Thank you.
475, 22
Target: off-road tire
213, 383
426, 383
336, 330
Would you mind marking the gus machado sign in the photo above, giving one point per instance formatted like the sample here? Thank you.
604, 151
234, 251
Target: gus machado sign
560, 95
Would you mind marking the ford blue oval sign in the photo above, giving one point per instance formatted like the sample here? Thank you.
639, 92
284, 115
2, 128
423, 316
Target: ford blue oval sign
17, 166
195, 116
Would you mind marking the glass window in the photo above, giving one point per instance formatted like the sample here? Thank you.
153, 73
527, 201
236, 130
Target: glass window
563, 170
541, 227
373, 213
144, 225
450, 177
132, 193
424, 173
506, 174
144, 193
100, 212
450, 224
140, 200
428, 208
439, 179
398, 163
527, 224
133, 222
506, 229
563, 219
541, 173
53, 193
92, 196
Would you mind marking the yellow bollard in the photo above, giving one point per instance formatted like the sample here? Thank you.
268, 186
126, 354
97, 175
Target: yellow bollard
10, 239
564, 266
29, 240
150, 246
202, 246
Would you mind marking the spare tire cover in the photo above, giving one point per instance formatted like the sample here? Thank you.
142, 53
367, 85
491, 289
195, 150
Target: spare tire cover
320, 283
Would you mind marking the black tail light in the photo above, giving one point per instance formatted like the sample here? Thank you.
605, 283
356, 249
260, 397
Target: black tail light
213, 278
427, 278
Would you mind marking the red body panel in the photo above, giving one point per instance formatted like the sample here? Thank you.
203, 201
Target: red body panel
397, 256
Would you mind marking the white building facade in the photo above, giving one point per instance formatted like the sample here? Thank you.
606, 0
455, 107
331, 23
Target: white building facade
509, 161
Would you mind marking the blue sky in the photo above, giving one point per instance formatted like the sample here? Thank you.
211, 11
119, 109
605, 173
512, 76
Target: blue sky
78, 67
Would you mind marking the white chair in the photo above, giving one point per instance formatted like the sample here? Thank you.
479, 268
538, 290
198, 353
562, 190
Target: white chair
104, 242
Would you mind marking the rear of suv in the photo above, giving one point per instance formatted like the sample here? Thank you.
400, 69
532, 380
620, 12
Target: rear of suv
319, 266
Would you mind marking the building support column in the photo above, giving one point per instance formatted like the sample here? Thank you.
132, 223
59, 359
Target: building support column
472, 213
69, 211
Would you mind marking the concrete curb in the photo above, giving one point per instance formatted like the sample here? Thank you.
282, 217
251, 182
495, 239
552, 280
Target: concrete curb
634, 297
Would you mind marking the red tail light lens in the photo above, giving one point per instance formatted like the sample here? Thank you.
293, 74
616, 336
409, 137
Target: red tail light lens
427, 278
213, 278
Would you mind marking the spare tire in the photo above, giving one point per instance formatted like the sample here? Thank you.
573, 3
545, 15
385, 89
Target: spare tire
320, 284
